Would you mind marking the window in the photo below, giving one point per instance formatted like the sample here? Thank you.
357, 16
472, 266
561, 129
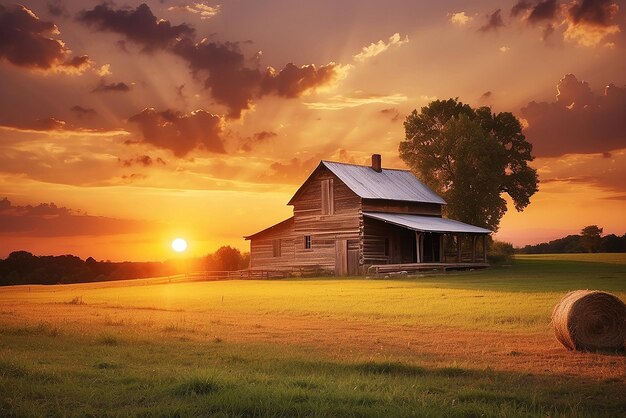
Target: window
276, 248
387, 247
328, 204
307, 241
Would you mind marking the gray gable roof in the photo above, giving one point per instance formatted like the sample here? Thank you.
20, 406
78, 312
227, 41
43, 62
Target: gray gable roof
389, 184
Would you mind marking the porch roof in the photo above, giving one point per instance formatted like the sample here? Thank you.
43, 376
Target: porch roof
426, 223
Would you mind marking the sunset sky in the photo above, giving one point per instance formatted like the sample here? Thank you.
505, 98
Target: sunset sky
124, 124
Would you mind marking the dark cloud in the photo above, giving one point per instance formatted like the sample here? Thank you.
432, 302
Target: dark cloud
27, 41
141, 160
50, 220
225, 69
593, 12
41, 125
264, 136
235, 85
494, 22
292, 80
258, 138
115, 87
56, 8
230, 82
586, 22
139, 25
579, 121
520, 7
131, 178
181, 133
391, 112
543, 11
486, 96
83, 111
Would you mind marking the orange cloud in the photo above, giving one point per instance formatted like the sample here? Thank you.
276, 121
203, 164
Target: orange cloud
50, 220
179, 132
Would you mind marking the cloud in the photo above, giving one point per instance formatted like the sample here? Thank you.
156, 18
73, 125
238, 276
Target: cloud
586, 22
27, 41
231, 81
179, 132
293, 81
139, 25
608, 173
379, 47
504, 49
579, 121
459, 18
141, 160
258, 138
201, 9
494, 22
51, 125
339, 101
57, 9
114, 87
520, 7
235, 86
50, 220
543, 11
589, 22
83, 111
264, 136
390, 112
104, 70
486, 96
293, 171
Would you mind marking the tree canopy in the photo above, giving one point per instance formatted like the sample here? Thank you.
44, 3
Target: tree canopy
591, 237
470, 157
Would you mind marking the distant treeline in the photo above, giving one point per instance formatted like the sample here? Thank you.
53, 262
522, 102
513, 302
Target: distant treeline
589, 241
22, 267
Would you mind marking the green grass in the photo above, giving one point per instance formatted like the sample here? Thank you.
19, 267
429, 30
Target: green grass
142, 349
78, 376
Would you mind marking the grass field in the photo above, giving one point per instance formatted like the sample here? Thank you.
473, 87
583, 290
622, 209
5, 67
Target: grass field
462, 344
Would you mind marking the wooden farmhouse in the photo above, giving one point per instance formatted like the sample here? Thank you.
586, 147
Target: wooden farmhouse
349, 218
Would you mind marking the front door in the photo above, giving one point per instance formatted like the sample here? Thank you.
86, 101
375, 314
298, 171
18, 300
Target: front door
341, 257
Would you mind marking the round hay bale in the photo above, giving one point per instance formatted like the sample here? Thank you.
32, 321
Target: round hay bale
590, 320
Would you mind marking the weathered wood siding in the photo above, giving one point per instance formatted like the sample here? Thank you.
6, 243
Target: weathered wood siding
400, 241
262, 248
391, 206
344, 223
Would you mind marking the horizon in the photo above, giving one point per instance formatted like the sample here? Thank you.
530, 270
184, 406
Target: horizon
123, 127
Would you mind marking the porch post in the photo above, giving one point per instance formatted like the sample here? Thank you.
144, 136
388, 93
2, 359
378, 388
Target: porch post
458, 248
474, 248
484, 248
417, 247
432, 247
442, 256
422, 247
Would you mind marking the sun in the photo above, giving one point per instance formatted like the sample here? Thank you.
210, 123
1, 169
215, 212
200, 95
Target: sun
179, 245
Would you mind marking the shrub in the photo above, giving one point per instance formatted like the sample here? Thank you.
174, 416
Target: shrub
500, 252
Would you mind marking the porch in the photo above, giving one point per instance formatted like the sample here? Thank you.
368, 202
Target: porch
415, 242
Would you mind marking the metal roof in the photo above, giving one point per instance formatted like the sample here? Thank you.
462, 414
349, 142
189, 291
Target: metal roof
426, 223
389, 184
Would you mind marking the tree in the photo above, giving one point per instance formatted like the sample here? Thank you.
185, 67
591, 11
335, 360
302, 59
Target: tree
591, 238
226, 258
470, 157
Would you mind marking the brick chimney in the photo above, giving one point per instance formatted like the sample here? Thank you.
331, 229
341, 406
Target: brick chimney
376, 163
